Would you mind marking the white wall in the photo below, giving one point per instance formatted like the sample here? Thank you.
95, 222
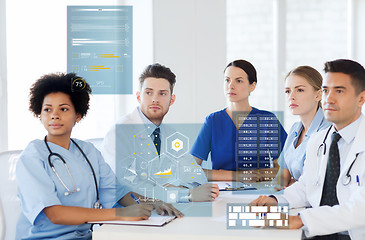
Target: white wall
359, 53
37, 44
190, 38
3, 81
316, 33
312, 33
187, 36
179, 34
359, 49
250, 37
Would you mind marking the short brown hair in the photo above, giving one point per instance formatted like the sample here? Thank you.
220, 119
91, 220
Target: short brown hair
157, 70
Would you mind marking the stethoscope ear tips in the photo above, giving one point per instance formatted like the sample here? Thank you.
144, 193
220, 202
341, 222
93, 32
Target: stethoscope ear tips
67, 193
77, 189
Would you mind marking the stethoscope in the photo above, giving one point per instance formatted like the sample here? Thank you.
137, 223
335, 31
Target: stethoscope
347, 179
97, 204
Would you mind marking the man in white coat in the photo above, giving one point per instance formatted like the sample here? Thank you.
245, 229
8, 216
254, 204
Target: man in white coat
332, 187
136, 149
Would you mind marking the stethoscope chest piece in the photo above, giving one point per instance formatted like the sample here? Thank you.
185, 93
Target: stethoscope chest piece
346, 180
98, 205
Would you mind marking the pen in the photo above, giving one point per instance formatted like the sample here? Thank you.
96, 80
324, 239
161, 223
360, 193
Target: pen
358, 180
135, 199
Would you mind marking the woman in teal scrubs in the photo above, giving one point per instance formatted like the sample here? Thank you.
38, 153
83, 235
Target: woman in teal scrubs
63, 182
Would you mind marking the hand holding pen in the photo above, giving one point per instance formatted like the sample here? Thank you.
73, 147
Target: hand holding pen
161, 207
135, 199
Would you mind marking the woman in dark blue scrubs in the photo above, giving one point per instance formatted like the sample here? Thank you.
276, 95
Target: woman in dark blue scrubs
240, 138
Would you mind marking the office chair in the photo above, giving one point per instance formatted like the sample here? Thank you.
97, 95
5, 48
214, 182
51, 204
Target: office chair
9, 201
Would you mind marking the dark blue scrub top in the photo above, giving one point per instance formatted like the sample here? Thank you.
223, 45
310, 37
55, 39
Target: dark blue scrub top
246, 148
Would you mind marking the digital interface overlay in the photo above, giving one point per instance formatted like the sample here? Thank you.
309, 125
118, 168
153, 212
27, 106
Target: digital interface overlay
143, 170
244, 216
258, 146
100, 47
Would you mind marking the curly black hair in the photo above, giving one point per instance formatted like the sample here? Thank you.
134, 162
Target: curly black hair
59, 82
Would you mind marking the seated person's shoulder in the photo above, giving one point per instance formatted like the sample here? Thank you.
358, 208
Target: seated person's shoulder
35, 144
86, 147
324, 125
82, 143
216, 115
34, 148
126, 119
263, 112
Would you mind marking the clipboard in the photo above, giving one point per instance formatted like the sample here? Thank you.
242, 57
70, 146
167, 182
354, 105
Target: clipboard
154, 221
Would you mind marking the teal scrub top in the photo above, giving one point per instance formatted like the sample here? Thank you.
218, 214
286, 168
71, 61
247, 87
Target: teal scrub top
39, 187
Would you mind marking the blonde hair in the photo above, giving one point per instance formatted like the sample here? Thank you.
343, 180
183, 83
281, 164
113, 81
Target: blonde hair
313, 77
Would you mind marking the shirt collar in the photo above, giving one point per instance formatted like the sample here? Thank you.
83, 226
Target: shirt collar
349, 132
298, 129
150, 126
316, 123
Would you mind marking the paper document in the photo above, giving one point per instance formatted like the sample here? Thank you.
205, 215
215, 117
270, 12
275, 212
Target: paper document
155, 220
231, 186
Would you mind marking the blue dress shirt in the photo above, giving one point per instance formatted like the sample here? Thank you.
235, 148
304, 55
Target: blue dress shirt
292, 158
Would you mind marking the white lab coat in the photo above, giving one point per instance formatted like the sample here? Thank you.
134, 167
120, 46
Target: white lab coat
108, 146
137, 163
349, 215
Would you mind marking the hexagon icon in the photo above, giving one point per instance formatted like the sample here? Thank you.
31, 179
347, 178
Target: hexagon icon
177, 144
171, 196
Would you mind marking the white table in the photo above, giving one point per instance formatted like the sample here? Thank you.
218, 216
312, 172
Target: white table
189, 228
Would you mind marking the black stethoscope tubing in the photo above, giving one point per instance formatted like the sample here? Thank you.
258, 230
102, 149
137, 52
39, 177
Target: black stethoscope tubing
64, 162
323, 144
348, 175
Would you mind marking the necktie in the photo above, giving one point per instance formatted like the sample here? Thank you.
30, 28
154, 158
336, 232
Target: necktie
157, 139
329, 193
